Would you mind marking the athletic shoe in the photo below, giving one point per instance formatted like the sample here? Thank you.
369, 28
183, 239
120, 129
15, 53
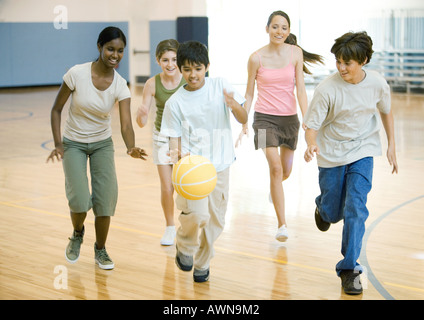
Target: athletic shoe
72, 251
321, 224
201, 275
351, 282
168, 237
282, 233
184, 262
102, 258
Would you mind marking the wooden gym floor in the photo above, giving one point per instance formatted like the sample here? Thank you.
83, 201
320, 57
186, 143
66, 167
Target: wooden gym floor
248, 265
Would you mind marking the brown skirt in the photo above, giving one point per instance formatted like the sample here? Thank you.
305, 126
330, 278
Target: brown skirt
275, 131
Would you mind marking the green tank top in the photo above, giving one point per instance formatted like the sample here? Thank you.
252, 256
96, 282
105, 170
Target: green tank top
161, 96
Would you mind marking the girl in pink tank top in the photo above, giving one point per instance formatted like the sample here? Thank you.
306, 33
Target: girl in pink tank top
276, 89
277, 69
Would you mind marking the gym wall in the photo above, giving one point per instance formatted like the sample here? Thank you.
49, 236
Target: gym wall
42, 39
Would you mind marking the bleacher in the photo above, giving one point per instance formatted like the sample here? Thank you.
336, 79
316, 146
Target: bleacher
403, 69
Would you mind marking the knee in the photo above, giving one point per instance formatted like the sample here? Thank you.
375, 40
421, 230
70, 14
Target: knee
167, 189
287, 169
80, 204
332, 217
356, 210
276, 172
329, 212
196, 218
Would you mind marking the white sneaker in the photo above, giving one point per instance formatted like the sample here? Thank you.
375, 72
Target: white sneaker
169, 236
282, 233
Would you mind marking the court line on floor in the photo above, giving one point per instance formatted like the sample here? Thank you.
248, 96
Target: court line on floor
363, 256
27, 114
370, 275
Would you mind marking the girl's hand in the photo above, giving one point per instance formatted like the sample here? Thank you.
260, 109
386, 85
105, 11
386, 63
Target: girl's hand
244, 131
141, 116
56, 153
175, 155
137, 153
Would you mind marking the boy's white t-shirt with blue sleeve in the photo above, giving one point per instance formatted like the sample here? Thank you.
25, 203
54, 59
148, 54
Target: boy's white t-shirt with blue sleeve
202, 120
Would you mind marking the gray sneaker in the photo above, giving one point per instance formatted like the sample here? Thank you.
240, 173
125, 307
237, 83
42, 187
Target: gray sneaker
102, 258
72, 251
201, 275
184, 262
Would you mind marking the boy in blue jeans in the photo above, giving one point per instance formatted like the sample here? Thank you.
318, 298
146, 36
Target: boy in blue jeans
197, 120
343, 131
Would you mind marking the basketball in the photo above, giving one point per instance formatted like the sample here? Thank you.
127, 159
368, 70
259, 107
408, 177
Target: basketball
194, 177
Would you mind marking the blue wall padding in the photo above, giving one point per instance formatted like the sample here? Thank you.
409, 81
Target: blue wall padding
193, 28
160, 30
37, 54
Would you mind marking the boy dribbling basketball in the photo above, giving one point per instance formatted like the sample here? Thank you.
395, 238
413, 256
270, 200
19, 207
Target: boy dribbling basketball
197, 120
343, 130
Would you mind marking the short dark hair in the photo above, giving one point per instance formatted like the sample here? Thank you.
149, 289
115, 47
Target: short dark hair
109, 34
353, 46
192, 52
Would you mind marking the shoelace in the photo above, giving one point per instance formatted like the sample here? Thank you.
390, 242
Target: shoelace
102, 254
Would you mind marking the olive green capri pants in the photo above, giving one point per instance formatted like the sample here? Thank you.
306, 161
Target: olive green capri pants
104, 185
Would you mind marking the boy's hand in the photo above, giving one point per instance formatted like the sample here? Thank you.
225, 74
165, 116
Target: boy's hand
391, 156
229, 99
309, 153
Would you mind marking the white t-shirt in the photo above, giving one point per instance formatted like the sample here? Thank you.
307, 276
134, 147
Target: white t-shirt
346, 118
89, 117
202, 120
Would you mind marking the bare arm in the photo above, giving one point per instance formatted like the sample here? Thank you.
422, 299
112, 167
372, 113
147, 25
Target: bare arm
238, 111
55, 119
300, 83
252, 69
148, 97
388, 123
127, 130
311, 141
175, 149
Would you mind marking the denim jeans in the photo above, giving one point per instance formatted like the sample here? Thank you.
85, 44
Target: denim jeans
344, 192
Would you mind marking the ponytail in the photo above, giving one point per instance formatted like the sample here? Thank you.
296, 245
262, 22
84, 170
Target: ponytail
308, 57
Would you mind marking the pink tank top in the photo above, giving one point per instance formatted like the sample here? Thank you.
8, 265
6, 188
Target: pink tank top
276, 90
